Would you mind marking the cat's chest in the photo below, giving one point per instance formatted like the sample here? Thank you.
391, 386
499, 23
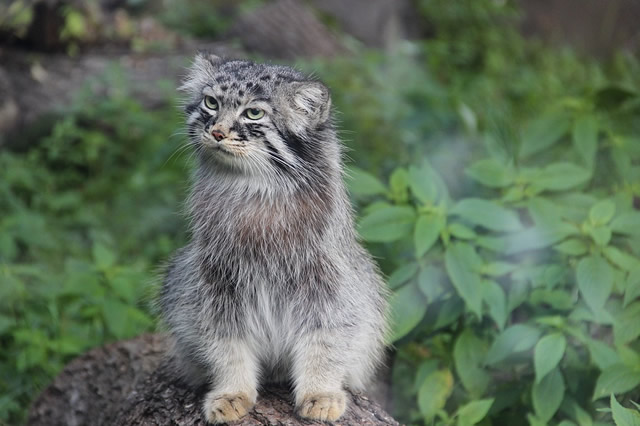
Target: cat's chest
269, 320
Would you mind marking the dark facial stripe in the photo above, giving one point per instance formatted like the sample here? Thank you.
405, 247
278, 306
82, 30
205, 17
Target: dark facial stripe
191, 107
254, 130
240, 130
277, 159
297, 145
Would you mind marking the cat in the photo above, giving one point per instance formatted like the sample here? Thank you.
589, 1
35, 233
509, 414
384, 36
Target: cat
274, 285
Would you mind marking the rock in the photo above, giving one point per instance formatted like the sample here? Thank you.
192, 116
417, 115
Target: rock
285, 29
130, 383
376, 23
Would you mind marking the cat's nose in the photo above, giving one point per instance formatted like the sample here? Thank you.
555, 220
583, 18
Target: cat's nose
218, 135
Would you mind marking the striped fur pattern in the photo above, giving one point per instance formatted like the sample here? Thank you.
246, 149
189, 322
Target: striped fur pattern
273, 285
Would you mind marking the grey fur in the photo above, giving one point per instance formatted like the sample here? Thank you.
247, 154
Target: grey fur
273, 285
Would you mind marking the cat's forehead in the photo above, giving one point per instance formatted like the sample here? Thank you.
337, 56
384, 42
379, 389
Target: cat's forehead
265, 75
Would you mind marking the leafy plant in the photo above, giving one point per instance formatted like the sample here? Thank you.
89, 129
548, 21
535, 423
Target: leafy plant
520, 296
85, 217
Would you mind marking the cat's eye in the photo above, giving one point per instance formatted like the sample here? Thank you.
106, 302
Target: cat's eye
210, 102
254, 113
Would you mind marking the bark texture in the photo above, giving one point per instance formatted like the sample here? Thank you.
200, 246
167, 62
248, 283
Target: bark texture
130, 383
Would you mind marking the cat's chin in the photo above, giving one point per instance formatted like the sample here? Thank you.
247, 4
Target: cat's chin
226, 161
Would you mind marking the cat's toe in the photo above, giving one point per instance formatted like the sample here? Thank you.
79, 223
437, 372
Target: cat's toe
222, 408
323, 406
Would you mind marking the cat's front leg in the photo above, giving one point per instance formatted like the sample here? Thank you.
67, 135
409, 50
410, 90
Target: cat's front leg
235, 381
318, 375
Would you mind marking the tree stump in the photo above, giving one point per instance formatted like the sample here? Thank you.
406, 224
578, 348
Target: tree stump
131, 383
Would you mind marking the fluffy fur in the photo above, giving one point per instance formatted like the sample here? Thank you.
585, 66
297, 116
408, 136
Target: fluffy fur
274, 285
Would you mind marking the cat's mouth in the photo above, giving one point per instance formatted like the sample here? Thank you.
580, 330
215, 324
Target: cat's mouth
223, 147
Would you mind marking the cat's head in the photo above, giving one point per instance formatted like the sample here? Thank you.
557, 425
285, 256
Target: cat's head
258, 118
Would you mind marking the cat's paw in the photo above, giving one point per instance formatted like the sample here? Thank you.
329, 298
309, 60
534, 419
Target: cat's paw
323, 406
222, 408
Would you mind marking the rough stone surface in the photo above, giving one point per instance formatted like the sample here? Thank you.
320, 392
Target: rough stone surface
285, 29
130, 383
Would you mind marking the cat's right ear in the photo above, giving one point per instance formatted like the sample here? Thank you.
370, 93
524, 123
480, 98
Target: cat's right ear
200, 72
205, 59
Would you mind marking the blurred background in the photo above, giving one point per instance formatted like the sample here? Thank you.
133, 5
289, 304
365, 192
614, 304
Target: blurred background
494, 165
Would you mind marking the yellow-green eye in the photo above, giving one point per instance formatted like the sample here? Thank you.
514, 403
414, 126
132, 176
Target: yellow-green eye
210, 102
254, 113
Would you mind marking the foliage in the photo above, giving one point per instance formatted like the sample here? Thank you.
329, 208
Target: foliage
512, 249
497, 183
85, 216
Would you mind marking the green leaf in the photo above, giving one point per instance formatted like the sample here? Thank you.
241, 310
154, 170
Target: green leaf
468, 356
543, 133
402, 275
6, 323
495, 244
616, 379
103, 256
585, 139
613, 96
387, 224
536, 238
626, 327
363, 183
408, 307
627, 223
461, 261
126, 285
492, 173
517, 338
494, 296
557, 299
474, 411
628, 356
434, 392
624, 416
498, 269
632, 290
116, 317
449, 311
74, 25
426, 233
427, 367
548, 353
534, 421
560, 177
601, 235
399, 185
602, 212
602, 355
422, 181
487, 214
462, 232
572, 247
548, 394
575, 411
621, 259
595, 281
430, 281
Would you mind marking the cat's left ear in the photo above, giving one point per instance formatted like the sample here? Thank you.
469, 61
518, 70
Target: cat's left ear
312, 99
